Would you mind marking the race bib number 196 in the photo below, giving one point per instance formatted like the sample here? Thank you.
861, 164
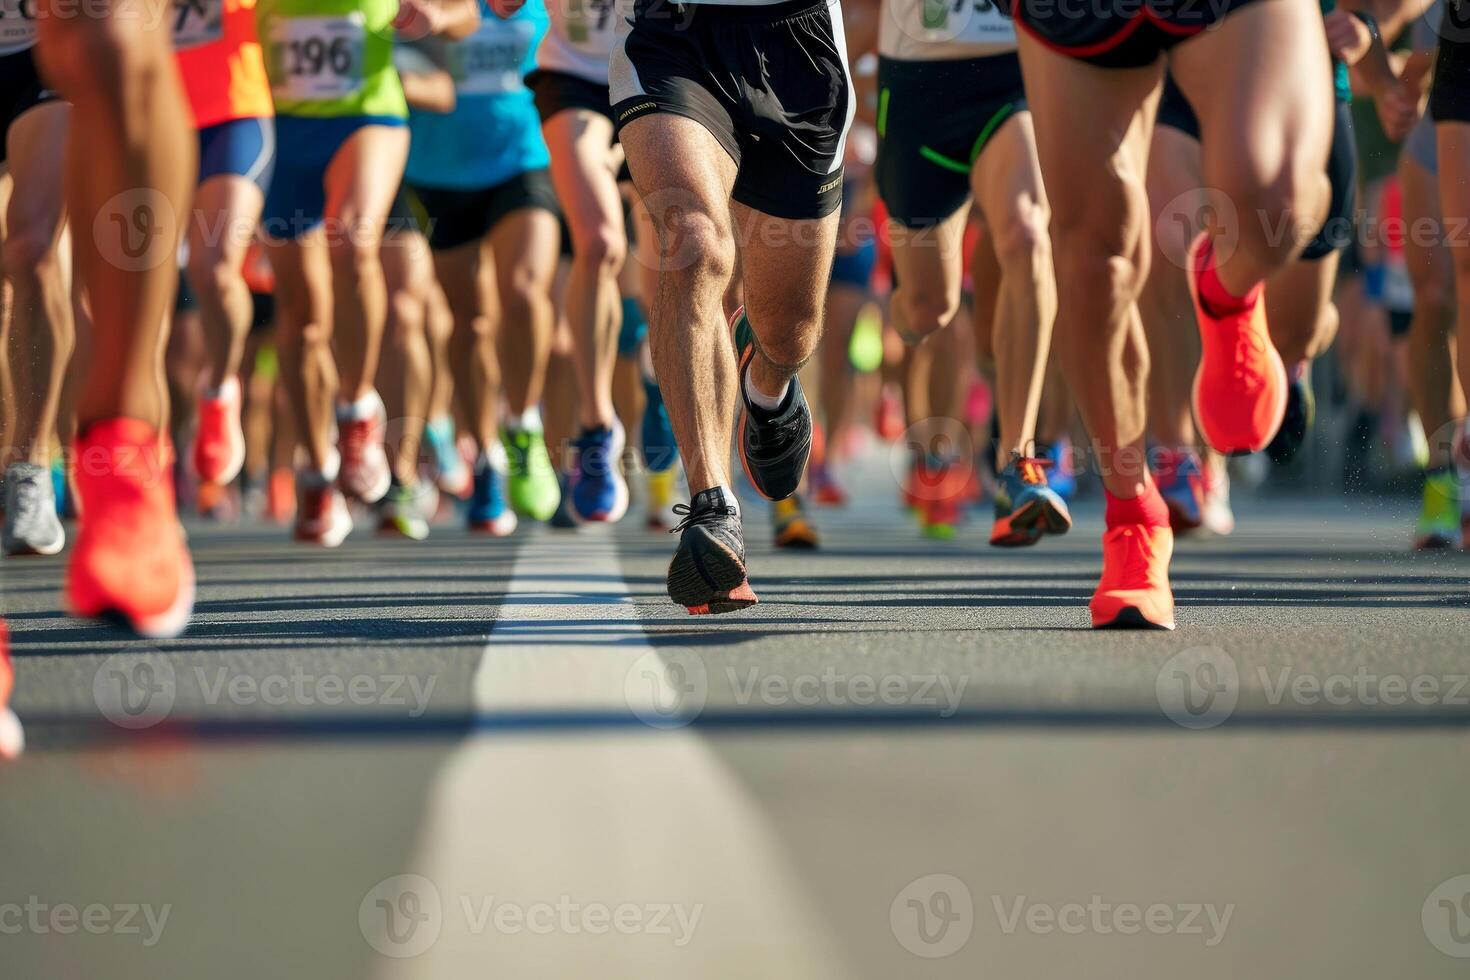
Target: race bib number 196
317, 58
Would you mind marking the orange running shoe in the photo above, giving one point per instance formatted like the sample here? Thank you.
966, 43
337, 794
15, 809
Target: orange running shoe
1240, 389
280, 498
1134, 592
12, 736
130, 560
219, 445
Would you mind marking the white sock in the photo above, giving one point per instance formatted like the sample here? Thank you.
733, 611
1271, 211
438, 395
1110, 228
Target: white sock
495, 457
527, 421
730, 500
230, 389
760, 399
364, 408
325, 476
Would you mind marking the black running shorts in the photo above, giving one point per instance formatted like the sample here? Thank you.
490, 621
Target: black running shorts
21, 90
1449, 100
558, 91
1118, 33
929, 137
460, 217
769, 82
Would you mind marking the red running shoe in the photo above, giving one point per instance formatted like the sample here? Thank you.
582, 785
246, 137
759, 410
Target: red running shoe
219, 445
1134, 592
130, 559
1240, 389
365, 475
12, 736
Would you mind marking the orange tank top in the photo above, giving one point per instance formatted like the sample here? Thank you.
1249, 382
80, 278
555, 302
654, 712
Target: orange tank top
220, 60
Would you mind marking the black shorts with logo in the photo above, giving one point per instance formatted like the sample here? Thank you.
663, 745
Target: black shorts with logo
21, 90
459, 217
935, 118
1342, 167
1118, 33
769, 82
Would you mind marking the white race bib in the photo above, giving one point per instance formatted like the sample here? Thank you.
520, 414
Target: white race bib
318, 58
197, 22
17, 25
489, 61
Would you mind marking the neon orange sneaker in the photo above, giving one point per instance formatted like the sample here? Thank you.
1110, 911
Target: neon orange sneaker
280, 498
1134, 592
12, 736
1240, 389
219, 445
130, 559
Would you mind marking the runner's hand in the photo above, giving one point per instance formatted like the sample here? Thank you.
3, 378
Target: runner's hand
1398, 110
418, 19
1348, 38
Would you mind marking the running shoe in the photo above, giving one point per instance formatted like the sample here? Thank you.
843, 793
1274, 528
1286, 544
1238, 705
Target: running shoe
1025, 507
12, 736
450, 471
1218, 517
365, 474
1060, 477
533, 488
31, 524
888, 416
940, 517
1181, 481
662, 485
1134, 592
793, 529
599, 492
322, 517
219, 442
707, 575
1301, 413
564, 519
1439, 515
826, 491
490, 511
773, 445
660, 448
130, 560
405, 510
1240, 389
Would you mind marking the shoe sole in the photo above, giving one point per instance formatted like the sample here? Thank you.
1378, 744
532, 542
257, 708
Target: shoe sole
798, 542
19, 550
166, 625
1131, 618
501, 527
332, 538
392, 529
12, 735
706, 591
1026, 526
1279, 369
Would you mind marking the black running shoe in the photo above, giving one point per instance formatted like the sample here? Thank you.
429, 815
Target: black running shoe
774, 446
707, 575
1301, 412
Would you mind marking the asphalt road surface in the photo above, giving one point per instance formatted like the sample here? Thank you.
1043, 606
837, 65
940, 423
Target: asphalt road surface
476, 758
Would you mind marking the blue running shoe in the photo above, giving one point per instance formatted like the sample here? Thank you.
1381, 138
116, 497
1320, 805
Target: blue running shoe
1181, 481
564, 519
599, 492
660, 450
450, 472
1025, 507
489, 510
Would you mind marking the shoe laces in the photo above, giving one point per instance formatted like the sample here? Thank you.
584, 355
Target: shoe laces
1250, 348
776, 433
705, 517
1031, 469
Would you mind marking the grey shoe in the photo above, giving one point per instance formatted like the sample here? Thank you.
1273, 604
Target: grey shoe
31, 525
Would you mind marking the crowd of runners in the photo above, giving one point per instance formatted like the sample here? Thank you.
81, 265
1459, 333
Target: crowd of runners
444, 259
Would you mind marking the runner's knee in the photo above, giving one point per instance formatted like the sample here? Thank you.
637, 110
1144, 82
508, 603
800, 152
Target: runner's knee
212, 273
928, 310
31, 260
1022, 242
697, 250
604, 249
1278, 217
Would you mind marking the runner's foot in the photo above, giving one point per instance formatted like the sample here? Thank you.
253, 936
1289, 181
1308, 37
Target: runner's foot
1439, 514
31, 525
1240, 389
490, 511
130, 559
1181, 481
322, 517
450, 471
12, 736
361, 427
662, 485
707, 575
794, 529
599, 492
774, 444
405, 510
1025, 507
533, 488
1301, 413
219, 443
1134, 591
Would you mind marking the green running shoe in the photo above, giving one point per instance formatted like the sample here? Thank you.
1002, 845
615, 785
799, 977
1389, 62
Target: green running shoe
1439, 517
533, 489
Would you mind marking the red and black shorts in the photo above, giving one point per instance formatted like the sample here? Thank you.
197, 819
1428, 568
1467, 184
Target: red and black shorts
1118, 33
